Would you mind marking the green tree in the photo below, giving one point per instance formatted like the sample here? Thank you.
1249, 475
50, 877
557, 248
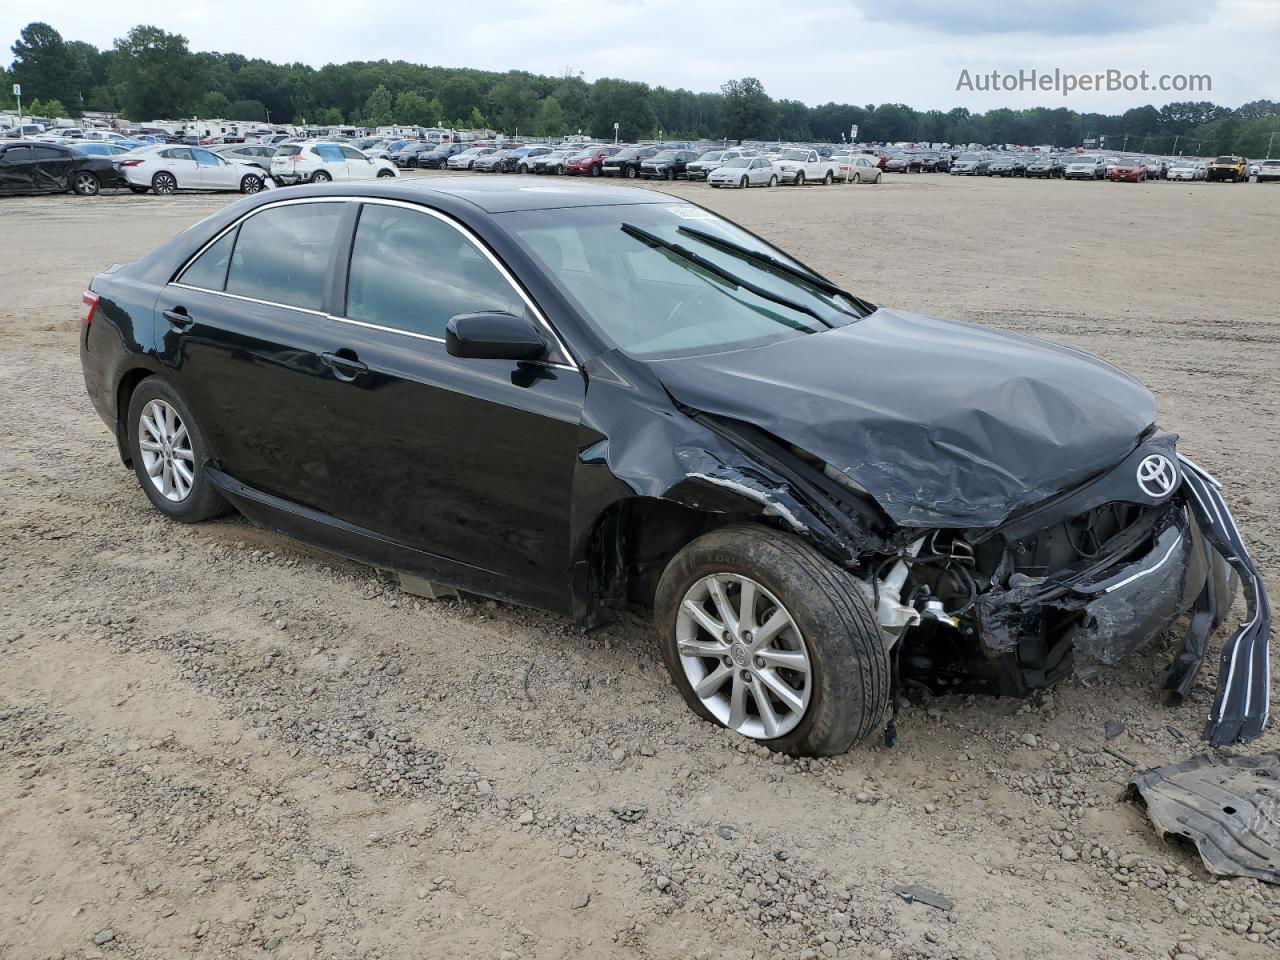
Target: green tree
215, 104
330, 117
476, 121
513, 102
748, 111
155, 73
247, 110
623, 102
377, 109
459, 96
414, 109
550, 121
53, 108
42, 63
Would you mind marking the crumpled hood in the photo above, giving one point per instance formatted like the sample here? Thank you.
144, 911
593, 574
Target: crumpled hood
944, 423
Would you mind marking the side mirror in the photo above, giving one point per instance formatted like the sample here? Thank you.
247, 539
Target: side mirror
494, 336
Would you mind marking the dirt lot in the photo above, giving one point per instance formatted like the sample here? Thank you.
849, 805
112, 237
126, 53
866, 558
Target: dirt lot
216, 743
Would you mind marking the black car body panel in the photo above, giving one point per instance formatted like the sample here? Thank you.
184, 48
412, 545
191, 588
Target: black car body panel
28, 166
1005, 469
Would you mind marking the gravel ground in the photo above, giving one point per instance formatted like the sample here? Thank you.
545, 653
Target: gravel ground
217, 743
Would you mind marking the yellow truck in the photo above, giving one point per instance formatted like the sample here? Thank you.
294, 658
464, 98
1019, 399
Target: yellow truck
1229, 168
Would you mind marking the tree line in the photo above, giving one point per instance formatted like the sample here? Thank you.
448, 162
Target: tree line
151, 74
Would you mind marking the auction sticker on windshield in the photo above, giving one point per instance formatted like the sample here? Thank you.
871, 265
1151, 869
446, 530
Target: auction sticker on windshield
688, 212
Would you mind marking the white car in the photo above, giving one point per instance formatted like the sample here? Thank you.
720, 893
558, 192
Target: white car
859, 168
467, 158
744, 172
322, 162
168, 168
106, 136
702, 167
799, 166
1184, 170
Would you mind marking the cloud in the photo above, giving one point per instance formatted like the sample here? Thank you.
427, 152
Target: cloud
1052, 17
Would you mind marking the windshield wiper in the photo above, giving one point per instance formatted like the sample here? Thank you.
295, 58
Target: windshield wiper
758, 256
697, 260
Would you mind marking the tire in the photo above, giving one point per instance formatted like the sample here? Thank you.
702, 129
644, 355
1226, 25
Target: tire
773, 180
85, 184
848, 667
828, 179
744, 183
321, 176
799, 181
523, 168
879, 177
202, 499
857, 178
632, 173
385, 173
165, 184
668, 174
250, 184
597, 171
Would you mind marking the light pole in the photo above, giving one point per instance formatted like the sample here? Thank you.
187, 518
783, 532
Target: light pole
1270, 140
17, 92
1175, 145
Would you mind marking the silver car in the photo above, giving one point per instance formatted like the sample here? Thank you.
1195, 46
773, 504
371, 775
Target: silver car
745, 172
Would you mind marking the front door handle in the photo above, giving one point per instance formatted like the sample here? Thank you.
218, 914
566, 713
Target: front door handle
178, 317
345, 364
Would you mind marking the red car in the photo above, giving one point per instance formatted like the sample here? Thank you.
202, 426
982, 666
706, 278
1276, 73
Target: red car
590, 162
1130, 169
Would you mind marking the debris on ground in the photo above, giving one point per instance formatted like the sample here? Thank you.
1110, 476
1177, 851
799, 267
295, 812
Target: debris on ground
1229, 807
914, 893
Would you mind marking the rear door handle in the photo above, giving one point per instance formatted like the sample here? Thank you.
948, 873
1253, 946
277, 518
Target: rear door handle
178, 317
345, 364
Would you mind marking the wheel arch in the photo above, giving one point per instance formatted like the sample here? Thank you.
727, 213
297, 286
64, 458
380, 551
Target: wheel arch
125, 388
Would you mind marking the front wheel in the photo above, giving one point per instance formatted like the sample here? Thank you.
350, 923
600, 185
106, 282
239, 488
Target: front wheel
799, 178
86, 184
385, 173
765, 636
773, 181
596, 171
168, 452
744, 183
250, 184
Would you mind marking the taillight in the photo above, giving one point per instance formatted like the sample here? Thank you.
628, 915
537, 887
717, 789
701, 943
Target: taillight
129, 163
88, 306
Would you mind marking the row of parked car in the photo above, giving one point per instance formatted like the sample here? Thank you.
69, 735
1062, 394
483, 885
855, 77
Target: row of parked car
1120, 167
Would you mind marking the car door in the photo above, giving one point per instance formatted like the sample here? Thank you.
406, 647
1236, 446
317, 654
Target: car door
16, 166
470, 461
243, 330
332, 160
182, 164
51, 168
214, 172
756, 172
359, 167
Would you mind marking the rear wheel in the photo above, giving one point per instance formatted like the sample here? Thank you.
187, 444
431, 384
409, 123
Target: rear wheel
168, 453
86, 184
765, 636
632, 173
164, 183
321, 176
857, 178
829, 178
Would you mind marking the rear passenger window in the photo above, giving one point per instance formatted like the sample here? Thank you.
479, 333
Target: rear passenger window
283, 254
412, 272
209, 270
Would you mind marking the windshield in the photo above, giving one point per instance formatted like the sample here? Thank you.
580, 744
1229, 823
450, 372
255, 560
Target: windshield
652, 301
628, 154
1085, 159
713, 155
795, 154
969, 157
665, 155
738, 162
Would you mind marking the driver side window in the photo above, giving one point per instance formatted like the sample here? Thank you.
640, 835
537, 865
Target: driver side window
412, 272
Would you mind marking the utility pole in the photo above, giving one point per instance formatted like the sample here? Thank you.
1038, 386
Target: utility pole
1125, 146
1175, 145
1269, 142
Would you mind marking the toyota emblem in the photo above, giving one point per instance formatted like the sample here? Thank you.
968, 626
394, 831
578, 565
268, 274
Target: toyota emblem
1157, 476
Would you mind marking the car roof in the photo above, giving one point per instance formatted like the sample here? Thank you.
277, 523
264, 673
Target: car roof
496, 193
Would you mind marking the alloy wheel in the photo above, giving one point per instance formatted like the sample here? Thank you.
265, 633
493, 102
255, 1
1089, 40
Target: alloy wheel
250, 184
86, 184
167, 455
744, 656
164, 183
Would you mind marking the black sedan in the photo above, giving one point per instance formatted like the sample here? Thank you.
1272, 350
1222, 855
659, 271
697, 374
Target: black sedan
412, 154
33, 167
1007, 167
583, 398
1047, 167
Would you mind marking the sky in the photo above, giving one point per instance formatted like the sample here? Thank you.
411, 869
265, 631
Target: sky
852, 51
